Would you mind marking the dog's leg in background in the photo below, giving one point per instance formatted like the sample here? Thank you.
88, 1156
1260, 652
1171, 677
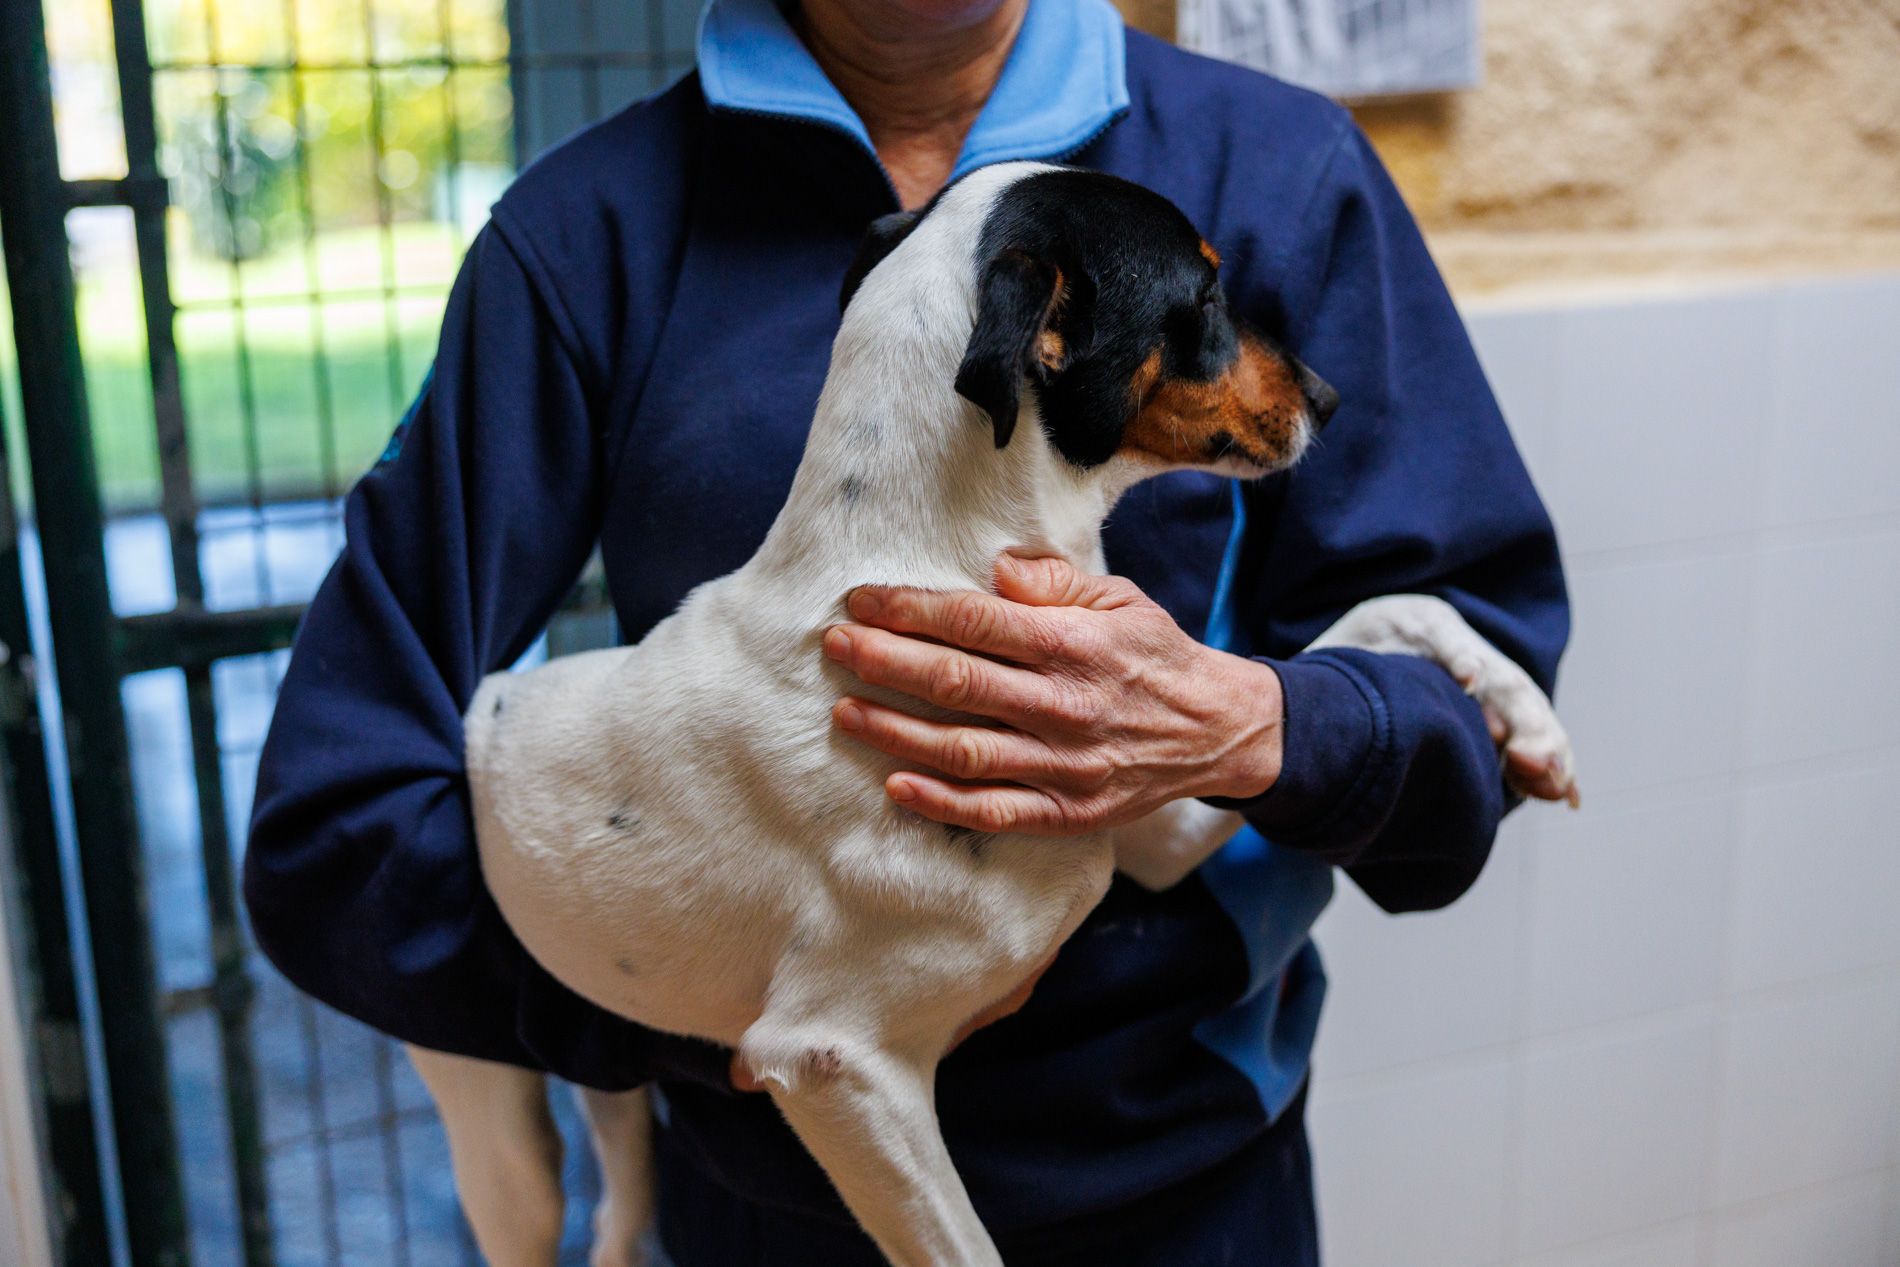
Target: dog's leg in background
506, 1153
868, 1116
621, 1124
1157, 851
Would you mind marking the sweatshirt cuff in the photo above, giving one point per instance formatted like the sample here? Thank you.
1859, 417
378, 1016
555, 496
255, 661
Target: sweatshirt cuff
1330, 737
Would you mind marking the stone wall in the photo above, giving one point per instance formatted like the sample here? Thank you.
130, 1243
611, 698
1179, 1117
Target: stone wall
1655, 138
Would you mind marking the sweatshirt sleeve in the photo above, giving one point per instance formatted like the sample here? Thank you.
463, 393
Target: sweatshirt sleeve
1415, 487
361, 875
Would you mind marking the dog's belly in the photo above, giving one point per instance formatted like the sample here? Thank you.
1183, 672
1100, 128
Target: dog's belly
678, 835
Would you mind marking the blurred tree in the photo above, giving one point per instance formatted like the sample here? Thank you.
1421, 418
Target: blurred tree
376, 98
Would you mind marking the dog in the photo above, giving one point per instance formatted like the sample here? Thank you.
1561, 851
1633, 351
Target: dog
677, 833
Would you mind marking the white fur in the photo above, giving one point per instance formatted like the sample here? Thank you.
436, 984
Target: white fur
676, 831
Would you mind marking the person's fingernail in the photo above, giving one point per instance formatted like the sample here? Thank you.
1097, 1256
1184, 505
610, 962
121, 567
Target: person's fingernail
838, 644
902, 790
864, 604
850, 716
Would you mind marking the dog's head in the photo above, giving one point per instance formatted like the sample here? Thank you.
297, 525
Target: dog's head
1101, 297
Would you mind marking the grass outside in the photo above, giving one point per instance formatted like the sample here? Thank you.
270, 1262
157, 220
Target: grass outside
286, 396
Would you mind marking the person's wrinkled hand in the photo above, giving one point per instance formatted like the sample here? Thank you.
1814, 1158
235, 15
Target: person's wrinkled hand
1096, 707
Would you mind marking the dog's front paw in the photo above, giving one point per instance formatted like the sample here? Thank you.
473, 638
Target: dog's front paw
1537, 758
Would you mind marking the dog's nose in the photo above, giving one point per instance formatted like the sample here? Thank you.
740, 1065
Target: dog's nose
1321, 400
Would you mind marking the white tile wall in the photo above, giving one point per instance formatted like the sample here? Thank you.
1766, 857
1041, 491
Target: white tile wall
1654, 691
1817, 875
1837, 375
1628, 913
1807, 1087
1413, 1171
1892, 1243
1663, 409
1523, 356
1838, 1225
1615, 1130
1826, 626
1673, 1245
1665, 1031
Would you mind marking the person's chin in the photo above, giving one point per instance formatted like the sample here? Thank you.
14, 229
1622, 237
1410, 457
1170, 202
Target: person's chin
945, 14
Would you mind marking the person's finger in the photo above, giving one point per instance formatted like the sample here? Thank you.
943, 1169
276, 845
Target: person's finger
1495, 723
943, 676
1030, 811
741, 1076
963, 618
1546, 780
1052, 582
964, 752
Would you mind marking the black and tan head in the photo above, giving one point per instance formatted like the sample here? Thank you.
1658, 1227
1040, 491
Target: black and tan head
1097, 301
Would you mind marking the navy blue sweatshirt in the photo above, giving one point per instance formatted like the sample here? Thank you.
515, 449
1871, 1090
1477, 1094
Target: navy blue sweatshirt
631, 357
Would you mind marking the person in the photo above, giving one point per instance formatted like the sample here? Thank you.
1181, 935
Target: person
631, 357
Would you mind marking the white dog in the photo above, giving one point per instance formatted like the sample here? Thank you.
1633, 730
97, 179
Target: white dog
676, 831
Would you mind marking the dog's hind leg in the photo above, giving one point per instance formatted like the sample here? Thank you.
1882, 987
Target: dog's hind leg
868, 1117
506, 1154
621, 1124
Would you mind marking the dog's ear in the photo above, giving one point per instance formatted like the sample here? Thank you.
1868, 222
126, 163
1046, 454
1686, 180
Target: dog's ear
883, 237
1031, 320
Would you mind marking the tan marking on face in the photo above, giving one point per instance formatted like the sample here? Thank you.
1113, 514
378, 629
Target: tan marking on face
1146, 376
1209, 254
1252, 412
1051, 350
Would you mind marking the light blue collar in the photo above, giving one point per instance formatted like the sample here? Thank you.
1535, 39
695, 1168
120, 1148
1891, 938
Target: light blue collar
1064, 82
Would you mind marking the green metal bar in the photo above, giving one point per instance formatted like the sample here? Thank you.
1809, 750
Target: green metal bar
130, 191
66, 500
194, 638
186, 639
49, 982
232, 989
320, 382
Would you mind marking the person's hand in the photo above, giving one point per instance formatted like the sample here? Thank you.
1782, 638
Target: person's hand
1104, 709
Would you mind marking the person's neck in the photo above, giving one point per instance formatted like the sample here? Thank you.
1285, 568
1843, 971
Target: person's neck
917, 85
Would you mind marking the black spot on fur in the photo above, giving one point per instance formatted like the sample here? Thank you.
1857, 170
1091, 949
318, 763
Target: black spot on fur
626, 967
499, 701
974, 841
850, 489
623, 821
